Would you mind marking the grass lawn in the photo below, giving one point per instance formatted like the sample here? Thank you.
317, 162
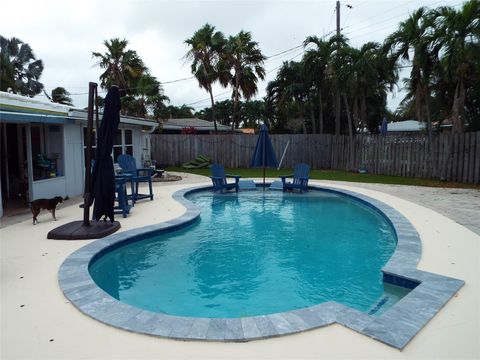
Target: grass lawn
334, 175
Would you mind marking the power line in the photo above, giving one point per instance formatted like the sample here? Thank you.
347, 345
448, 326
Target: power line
287, 51
370, 31
385, 20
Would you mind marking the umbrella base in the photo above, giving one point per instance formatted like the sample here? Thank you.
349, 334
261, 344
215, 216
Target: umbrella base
75, 230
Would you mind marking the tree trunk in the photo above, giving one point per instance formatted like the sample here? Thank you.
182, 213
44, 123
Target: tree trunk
418, 104
320, 110
302, 116
363, 110
357, 121
312, 115
337, 111
457, 108
349, 118
235, 101
213, 109
351, 148
429, 133
235, 110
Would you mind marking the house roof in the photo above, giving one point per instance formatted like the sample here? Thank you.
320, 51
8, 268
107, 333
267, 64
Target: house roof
17, 108
199, 124
407, 125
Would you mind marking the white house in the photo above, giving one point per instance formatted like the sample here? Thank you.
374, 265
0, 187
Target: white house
199, 126
406, 126
42, 147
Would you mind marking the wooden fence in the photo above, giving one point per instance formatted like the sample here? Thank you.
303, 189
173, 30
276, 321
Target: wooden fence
449, 157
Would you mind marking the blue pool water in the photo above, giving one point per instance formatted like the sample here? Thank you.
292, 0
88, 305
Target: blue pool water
258, 252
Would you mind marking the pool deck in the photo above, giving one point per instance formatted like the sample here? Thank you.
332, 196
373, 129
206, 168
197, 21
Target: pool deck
38, 322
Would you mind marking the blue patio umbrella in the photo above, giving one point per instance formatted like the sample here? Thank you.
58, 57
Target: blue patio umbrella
264, 155
103, 174
384, 127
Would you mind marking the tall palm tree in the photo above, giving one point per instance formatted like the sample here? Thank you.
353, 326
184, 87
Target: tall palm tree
290, 97
205, 48
147, 88
20, 71
374, 73
316, 63
459, 34
415, 35
123, 67
334, 72
241, 66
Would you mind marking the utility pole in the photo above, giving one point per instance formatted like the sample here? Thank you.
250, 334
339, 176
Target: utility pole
337, 84
338, 18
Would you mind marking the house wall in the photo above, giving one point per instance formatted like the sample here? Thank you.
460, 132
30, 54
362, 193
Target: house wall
48, 188
70, 164
74, 163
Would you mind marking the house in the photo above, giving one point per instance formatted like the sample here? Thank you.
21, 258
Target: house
192, 125
43, 148
407, 126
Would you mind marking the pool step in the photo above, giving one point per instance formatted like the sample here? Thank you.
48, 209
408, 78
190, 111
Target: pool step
247, 185
276, 185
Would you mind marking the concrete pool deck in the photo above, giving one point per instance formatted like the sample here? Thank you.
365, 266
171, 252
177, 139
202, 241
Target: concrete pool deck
47, 326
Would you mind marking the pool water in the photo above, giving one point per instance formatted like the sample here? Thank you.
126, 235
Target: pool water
258, 252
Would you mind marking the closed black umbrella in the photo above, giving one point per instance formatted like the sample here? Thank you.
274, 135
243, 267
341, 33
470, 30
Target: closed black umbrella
103, 175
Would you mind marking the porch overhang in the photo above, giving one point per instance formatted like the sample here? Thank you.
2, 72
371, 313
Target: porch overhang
25, 118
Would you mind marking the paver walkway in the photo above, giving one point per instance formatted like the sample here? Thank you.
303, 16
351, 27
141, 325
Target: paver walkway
460, 205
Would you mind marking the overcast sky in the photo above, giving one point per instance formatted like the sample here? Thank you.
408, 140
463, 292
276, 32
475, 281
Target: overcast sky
64, 33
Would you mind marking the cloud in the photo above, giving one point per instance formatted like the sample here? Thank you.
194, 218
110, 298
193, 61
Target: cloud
63, 34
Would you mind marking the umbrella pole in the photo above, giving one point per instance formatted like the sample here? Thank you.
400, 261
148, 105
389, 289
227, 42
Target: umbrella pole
263, 178
92, 88
264, 160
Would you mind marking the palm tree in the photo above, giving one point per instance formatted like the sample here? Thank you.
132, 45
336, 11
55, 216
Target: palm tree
241, 66
459, 34
61, 96
19, 69
206, 46
373, 73
123, 67
415, 35
333, 71
148, 88
316, 62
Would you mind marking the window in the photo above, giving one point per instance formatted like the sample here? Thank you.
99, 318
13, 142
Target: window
47, 150
122, 144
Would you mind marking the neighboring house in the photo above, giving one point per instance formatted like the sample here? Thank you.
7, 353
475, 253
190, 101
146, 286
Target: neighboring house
42, 147
407, 126
192, 125
250, 131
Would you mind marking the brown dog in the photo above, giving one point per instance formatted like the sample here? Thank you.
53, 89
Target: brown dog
49, 204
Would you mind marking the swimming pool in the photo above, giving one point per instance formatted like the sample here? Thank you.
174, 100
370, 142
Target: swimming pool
395, 327
255, 253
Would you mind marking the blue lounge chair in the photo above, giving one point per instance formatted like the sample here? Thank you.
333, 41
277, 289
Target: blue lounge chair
300, 178
219, 179
136, 176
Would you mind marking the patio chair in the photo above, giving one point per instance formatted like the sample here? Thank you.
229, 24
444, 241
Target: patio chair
121, 197
136, 176
219, 179
300, 178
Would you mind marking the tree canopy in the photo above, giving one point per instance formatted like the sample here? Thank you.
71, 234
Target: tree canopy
20, 71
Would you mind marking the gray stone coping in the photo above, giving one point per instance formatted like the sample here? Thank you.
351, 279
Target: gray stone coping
395, 327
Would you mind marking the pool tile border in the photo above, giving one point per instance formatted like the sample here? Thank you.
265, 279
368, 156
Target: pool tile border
395, 327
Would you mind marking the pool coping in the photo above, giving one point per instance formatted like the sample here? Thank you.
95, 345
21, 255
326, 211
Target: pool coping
395, 327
